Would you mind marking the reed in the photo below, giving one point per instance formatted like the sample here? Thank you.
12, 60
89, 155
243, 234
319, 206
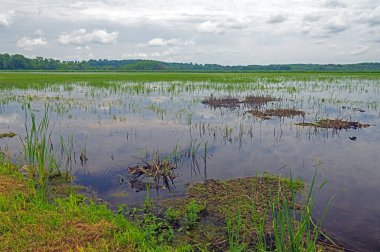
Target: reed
38, 153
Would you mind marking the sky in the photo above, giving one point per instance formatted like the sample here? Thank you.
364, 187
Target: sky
226, 32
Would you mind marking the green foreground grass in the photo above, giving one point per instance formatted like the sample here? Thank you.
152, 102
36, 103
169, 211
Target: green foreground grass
214, 216
31, 222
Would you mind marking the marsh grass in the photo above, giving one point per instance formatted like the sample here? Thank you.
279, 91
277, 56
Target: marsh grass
292, 226
37, 152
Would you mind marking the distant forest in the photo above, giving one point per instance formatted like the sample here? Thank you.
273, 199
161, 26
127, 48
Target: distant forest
20, 62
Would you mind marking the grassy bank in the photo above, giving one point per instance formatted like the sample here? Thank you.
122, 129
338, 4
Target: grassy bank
30, 221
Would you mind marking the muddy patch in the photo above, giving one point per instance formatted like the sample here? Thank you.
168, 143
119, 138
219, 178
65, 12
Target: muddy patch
233, 102
269, 113
337, 124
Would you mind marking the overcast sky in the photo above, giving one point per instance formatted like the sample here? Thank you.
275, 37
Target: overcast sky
224, 32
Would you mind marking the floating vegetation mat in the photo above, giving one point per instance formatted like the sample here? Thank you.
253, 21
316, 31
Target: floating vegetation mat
337, 124
233, 102
258, 100
267, 114
161, 171
9, 135
237, 205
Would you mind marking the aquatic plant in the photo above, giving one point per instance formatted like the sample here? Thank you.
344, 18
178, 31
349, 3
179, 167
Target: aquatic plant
36, 145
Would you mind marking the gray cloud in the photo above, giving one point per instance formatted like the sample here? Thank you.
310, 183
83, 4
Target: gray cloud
374, 17
336, 25
6, 18
82, 37
312, 17
277, 18
334, 4
166, 30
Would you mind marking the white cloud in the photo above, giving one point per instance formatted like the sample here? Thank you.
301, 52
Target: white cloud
168, 42
210, 27
82, 37
135, 55
359, 50
157, 55
28, 43
277, 18
6, 18
222, 25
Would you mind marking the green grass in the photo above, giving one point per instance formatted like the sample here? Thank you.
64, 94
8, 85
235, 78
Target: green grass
40, 79
29, 221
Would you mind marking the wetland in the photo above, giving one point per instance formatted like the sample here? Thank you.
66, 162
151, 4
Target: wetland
185, 155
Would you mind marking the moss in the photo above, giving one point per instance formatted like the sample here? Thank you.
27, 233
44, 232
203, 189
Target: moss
224, 199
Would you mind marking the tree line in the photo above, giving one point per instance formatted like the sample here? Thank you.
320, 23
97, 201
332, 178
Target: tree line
20, 62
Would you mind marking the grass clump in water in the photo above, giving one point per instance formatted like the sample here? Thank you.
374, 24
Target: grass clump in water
233, 102
9, 135
337, 124
269, 113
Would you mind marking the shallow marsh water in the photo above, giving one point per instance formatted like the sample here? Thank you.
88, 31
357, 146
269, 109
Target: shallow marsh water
125, 123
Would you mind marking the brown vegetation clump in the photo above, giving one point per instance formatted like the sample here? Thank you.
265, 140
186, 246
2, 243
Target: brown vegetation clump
267, 114
159, 170
225, 102
258, 100
233, 102
337, 124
